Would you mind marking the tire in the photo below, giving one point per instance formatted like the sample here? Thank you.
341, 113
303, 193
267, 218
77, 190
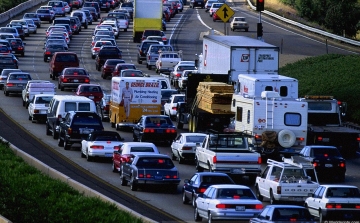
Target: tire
196, 215
23, 103
180, 125
198, 167
321, 216
210, 217
135, 139
66, 145
133, 185
185, 200
60, 142
92, 56
209, 166
125, 30
123, 181
53, 77
82, 154
48, 132
181, 160
6, 93
149, 67
173, 157
30, 118
193, 199
89, 158
272, 199
342, 178
286, 138
257, 192
114, 168
62, 88
54, 134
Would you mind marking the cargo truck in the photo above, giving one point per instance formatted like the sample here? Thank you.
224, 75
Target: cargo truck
207, 103
147, 15
234, 55
132, 97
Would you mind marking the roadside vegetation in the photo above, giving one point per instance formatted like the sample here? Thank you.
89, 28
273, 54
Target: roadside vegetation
27, 195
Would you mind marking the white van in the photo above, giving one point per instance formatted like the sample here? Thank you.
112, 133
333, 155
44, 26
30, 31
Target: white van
60, 105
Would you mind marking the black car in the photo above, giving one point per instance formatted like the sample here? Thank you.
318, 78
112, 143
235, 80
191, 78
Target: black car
8, 61
93, 4
327, 161
154, 128
76, 126
107, 52
199, 182
103, 4
17, 46
149, 169
197, 3
143, 48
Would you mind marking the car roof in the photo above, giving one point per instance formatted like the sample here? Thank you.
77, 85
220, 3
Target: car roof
284, 206
230, 186
139, 144
193, 134
338, 185
320, 146
211, 174
152, 155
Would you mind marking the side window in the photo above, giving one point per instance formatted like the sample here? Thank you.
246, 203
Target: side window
268, 88
283, 91
70, 106
292, 119
84, 106
262, 215
239, 114
321, 193
248, 117
263, 175
194, 179
56, 105
317, 192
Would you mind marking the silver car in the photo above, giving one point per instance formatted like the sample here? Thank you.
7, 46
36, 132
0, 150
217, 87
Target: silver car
16, 82
4, 75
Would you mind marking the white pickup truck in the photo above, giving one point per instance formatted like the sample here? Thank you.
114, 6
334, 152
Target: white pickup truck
292, 180
34, 87
167, 60
228, 153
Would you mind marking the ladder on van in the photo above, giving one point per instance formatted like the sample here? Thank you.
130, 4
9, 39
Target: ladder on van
269, 112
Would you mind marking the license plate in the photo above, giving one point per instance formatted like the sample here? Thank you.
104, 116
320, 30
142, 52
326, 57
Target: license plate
86, 131
13, 51
108, 154
297, 199
76, 80
20, 85
160, 131
328, 165
236, 171
240, 208
158, 177
325, 140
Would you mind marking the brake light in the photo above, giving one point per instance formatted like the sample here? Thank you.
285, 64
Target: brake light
69, 131
223, 206
357, 206
257, 137
259, 160
214, 159
329, 205
149, 130
358, 139
36, 111
170, 131
116, 147
96, 147
87, 80
201, 190
47, 53
141, 175
20, 48
315, 164
319, 138
300, 138
10, 84
259, 206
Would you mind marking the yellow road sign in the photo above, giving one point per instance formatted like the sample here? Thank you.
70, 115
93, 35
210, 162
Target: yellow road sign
225, 12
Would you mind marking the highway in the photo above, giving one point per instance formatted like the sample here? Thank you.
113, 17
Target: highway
184, 32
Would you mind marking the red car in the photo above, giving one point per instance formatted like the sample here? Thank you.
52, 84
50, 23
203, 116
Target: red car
92, 91
72, 77
122, 66
215, 17
109, 66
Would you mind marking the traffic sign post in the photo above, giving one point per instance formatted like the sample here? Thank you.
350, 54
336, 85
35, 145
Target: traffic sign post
224, 13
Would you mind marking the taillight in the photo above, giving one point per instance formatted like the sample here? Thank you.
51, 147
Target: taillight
36, 111
116, 147
10, 84
214, 159
342, 165
259, 160
174, 108
47, 53
259, 206
149, 130
329, 205
223, 206
170, 131
87, 80
201, 190
69, 131
96, 147
319, 138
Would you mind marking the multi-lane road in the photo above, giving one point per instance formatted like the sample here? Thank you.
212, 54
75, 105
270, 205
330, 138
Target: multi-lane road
184, 32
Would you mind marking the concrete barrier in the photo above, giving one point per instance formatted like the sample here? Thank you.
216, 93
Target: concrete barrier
19, 9
66, 179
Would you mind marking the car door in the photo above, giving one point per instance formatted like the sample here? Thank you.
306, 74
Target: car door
262, 182
176, 144
167, 105
189, 187
138, 128
207, 201
314, 202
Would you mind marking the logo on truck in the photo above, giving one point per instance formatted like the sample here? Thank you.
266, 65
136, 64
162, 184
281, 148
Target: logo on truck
245, 57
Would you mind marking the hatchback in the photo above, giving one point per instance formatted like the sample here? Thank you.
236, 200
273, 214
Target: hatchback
16, 82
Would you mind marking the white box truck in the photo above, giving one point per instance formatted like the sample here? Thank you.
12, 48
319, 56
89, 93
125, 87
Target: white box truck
132, 97
234, 55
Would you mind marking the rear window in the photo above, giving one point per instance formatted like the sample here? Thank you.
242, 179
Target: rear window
114, 62
8, 30
91, 89
124, 67
89, 120
157, 121
43, 11
131, 73
19, 77
66, 58
71, 106
155, 49
75, 72
141, 149
155, 163
182, 68
217, 180
111, 51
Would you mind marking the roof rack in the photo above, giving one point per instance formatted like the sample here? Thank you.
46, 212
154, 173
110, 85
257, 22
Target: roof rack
245, 133
293, 161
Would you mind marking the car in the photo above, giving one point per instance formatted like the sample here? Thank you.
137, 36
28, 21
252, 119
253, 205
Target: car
171, 8
52, 48
38, 107
96, 48
165, 95
109, 66
131, 73
32, 26
58, 7
104, 5
214, 7
154, 128
92, 91
75, 24
67, 29
150, 169
56, 40
82, 17
183, 79
34, 87
199, 182
16, 82
5, 46
4, 49
326, 159
93, 4
76, 3
178, 3
46, 15
100, 144
215, 17
283, 213
21, 32
239, 23
93, 12
171, 105
99, 37
184, 146
103, 107
10, 30
334, 202
4, 74
178, 70
61, 33
197, 3
129, 149
72, 77
67, 7
34, 16
128, 6
17, 46
61, 60
208, 4
22, 23
151, 32
114, 26
89, 16
107, 52
8, 61
81, 123
227, 202
122, 66
143, 48
153, 53
156, 38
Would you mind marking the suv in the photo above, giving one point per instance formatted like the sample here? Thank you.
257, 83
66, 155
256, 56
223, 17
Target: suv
197, 3
107, 52
81, 124
143, 48
60, 60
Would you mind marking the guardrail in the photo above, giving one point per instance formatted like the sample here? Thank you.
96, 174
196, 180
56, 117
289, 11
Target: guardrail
19, 9
311, 29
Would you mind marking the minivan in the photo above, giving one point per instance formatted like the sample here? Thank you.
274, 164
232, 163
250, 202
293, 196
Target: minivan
60, 60
60, 105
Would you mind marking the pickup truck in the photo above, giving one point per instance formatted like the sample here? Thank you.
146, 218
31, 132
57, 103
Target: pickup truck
153, 52
34, 87
292, 180
167, 60
228, 153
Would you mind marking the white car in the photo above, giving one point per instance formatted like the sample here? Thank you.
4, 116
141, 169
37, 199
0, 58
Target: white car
184, 146
182, 80
39, 106
101, 144
239, 23
227, 202
335, 202
171, 104
214, 7
114, 26
131, 148
96, 48
32, 26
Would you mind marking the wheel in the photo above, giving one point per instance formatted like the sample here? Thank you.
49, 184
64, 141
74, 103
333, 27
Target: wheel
62, 88
114, 168
92, 56
133, 184
179, 125
257, 192
181, 160
198, 167
52, 77
209, 166
196, 215
54, 134
125, 30
123, 180
22, 54
173, 157
88, 158
193, 199
6, 93
209, 217
185, 200
23, 103
135, 139
321, 216
30, 118
82, 154
66, 145
246, 30
48, 132
342, 178
149, 67
272, 199
60, 142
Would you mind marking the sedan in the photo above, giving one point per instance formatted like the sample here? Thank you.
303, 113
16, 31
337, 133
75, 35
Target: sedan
171, 104
16, 82
239, 23
109, 66
154, 128
184, 146
96, 48
72, 77
326, 159
46, 15
92, 91
149, 169
100, 144
199, 182
50, 49
283, 213
335, 202
39, 106
227, 202
129, 149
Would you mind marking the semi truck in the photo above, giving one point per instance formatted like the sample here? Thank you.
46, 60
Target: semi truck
132, 97
207, 103
234, 55
147, 15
